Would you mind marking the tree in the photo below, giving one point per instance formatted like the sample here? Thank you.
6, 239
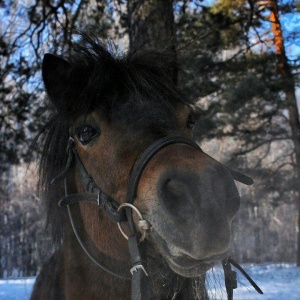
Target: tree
289, 89
27, 31
283, 76
247, 85
150, 23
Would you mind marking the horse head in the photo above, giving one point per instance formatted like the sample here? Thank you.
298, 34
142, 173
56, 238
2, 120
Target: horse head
114, 108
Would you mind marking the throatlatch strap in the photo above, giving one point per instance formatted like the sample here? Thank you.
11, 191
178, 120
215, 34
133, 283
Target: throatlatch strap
231, 277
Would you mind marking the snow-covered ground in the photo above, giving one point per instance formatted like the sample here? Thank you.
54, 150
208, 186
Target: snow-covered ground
16, 289
278, 282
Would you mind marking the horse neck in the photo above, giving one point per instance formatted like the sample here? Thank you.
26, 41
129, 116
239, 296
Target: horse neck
83, 278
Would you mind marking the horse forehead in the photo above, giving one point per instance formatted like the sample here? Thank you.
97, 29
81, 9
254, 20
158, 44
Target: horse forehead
149, 115
135, 121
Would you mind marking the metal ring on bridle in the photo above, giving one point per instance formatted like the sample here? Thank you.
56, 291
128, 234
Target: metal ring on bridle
143, 224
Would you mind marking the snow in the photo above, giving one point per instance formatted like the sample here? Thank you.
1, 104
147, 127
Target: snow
278, 282
16, 289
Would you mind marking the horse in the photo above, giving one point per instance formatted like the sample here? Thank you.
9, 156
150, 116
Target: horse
150, 212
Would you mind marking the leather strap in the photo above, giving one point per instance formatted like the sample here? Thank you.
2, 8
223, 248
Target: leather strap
144, 159
104, 201
239, 176
84, 248
141, 163
74, 198
69, 163
140, 284
231, 277
247, 276
93, 193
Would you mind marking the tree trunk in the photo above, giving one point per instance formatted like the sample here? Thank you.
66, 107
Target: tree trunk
291, 101
150, 23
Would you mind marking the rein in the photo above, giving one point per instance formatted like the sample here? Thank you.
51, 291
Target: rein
140, 286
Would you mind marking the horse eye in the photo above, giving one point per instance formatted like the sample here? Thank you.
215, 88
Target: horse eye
86, 133
191, 122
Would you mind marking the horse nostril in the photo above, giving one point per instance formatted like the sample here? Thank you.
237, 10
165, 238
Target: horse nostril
175, 187
175, 195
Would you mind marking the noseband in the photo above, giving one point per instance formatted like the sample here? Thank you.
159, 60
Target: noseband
140, 286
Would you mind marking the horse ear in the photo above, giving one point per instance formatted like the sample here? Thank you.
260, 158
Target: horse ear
55, 72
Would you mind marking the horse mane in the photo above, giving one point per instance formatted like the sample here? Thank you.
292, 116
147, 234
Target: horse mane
124, 87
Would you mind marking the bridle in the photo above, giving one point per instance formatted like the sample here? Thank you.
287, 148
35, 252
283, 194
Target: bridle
140, 286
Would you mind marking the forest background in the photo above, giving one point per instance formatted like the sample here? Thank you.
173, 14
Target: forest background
239, 59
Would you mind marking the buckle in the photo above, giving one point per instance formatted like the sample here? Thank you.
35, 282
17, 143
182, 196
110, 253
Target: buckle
136, 268
143, 224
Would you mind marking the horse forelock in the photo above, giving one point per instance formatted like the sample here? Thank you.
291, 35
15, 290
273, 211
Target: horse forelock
105, 79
